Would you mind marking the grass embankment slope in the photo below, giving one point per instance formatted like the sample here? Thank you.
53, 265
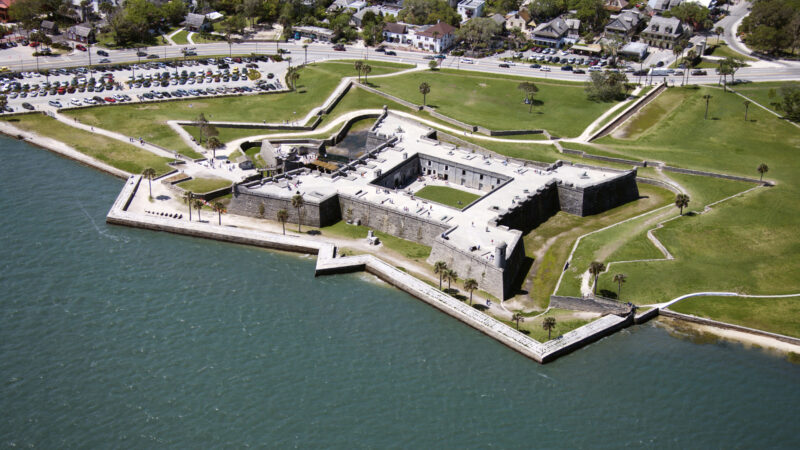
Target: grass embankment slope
117, 154
495, 102
181, 37
149, 120
776, 315
760, 92
203, 185
447, 196
748, 244
407, 249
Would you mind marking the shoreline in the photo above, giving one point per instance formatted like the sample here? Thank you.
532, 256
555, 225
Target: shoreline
748, 340
59, 148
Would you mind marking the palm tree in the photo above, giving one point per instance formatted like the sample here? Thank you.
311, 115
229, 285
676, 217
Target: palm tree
359, 66
149, 173
198, 204
619, 279
762, 169
549, 324
470, 285
718, 31
596, 268
746, 107
297, 203
529, 89
188, 196
305, 48
213, 143
367, 69
283, 216
440, 267
424, 89
706, 98
682, 201
451, 275
517, 317
219, 208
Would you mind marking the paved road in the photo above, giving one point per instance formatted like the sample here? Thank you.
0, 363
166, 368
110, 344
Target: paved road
317, 52
736, 14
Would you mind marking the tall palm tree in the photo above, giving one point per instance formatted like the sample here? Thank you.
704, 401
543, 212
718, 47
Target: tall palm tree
149, 173
213, 143
746, 107
718, 31
682, 201
596, 268
440, 267
619, 279
529, 89
470, 285
219, 208
359, 66
297, 203
198, 204
450, 275
305, 48
292, 75
367, 69
762, 169
549, 324
518, 317
424, 89
188, 196
283, 216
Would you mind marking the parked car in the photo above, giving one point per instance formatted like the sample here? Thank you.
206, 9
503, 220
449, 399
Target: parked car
27, 106
80, 47
55, 103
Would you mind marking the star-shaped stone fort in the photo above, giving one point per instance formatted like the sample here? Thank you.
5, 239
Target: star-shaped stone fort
483, 239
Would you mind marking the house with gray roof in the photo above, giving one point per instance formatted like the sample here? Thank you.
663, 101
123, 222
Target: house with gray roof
49, 27
196, 22
624, 25
550, 34
664, 32
82, 33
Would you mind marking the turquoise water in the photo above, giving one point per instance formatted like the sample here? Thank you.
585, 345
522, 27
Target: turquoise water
116, 337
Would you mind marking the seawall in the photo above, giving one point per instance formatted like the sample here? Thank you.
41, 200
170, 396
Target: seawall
329, 263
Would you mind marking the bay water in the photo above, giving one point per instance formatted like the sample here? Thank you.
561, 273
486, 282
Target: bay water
112, 337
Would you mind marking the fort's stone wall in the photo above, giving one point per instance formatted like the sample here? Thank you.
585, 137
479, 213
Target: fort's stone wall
390, 220
529, 212
491, 277
316, 212
585, 201
460, 174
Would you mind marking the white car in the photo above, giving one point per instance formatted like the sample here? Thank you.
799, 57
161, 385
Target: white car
89, 101
466, 61
75, 102
545, 69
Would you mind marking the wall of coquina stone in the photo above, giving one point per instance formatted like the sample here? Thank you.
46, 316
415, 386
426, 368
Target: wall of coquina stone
390, 220
455, 173
595, 305
531, 211
316, 212
585, 201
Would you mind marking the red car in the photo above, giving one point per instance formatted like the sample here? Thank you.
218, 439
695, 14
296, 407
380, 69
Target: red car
339, 47
34, 44
80, 47
110, 100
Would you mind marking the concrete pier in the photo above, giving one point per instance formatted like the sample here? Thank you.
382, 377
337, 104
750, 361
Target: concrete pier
328, 263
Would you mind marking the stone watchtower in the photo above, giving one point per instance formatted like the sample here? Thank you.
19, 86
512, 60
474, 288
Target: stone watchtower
500, 255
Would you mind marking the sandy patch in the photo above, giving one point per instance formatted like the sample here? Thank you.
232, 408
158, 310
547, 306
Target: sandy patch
747, 339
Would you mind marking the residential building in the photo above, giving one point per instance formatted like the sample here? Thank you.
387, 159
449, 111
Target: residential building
498, 19
470, 8
49, 27
550, 34
377, 10
4, 6
196, 22
435, 38
663, 5
664, 32
82, 33
518, 19
624, 25
573, 29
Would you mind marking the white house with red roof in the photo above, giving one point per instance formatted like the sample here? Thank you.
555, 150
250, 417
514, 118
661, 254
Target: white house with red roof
435, 38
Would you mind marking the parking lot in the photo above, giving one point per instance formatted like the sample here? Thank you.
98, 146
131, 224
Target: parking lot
70, 88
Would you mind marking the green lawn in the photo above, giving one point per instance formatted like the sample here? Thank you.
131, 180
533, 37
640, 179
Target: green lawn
565, 322
628, 242
408, 249
454, 198
148, 120
776, 315
748, 244
495, 102
759, 92
181, 37
118, 154
203, 185
723, 51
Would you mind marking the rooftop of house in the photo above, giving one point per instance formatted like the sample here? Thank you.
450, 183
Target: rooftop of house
626, 20
439, 30
667, 26
396, 28
195, 19
555, 28
471, 4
